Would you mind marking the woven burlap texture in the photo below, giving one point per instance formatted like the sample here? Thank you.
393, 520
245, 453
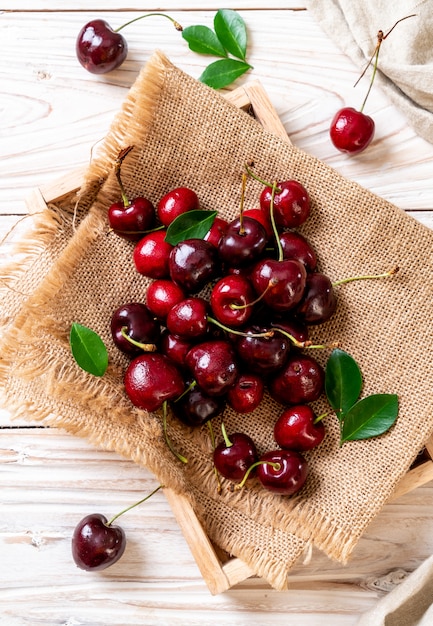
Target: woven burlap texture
186, 134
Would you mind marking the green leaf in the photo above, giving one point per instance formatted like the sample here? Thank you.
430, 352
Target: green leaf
370, 417
190, 225
88, 349
203, 40
231, 31
223, 72
343, 381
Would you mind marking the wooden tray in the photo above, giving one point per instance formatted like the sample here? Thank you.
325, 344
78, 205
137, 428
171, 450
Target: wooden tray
219, 570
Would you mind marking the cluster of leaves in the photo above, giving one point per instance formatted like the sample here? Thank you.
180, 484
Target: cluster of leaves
359, 419
229, 37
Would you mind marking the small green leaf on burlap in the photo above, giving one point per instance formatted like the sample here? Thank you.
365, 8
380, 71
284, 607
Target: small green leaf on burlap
88, 349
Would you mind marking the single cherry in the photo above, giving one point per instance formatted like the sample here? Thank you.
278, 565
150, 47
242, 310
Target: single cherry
101, 49
291, 203
298, 428
247, 393
233, 456
134, 329
232, 299
195, 407
151, 379
351, 131
296, 246
262, 217
188, 318
283, 472
242, 243
161, 296
176, 348
301, 380
151, 255
216, 231
213, 365
319, 301
193, 263
261, 350
175, 202
281, 282
97, 544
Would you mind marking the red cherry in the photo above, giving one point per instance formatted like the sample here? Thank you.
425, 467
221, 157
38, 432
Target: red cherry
95, 544
262, 217
213, 365
297, 428
291, 203
176, 202
282, 283
151, 255
188, 318
247, 393
233, 457
300, 381
176, 348
284, 471
138, 323
296, 246
151, 379
161, 296
132, 220
229, 293
99, 48
351, 131
216, 231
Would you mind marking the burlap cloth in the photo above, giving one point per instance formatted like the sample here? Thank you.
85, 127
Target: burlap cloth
406, 56
186, 134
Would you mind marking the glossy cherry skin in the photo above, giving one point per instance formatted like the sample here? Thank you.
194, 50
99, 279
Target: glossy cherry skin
262, 217
351, 130
216, 231
213, 365
176, 202
288, 277
161, 296
152, 378
151, 255
296, 429
291, 325
139, 324
188, 318
130, 222
296, 246
95, 544
195, 407
239, 247
301, 380
262, 355
228, 291
246, 394
99, 48
233, 461
193, 263
319, 302
176, 348
291, 203
288, 477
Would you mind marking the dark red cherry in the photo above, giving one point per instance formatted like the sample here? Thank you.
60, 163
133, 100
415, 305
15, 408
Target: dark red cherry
213, 365
188, 318
151, 379
291, 203
297, 428
131, 221
232, 458
351, 130
138, 323
231, 300
283, 472
176, 348
296, 246
99, 48
319, 301
95, 544
262, 217
263, 355
151, 255
291, 325
300, 381
247, 393
193, 263
161, 296
216, 231
176, 202
242, 243
282, 283
195, 407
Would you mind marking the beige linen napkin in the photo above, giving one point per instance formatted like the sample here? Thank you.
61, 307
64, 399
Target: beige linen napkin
406, 56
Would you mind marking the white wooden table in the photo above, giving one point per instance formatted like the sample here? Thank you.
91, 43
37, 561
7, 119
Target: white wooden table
52, 113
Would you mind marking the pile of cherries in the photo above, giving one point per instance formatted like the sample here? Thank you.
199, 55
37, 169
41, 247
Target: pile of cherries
225, 319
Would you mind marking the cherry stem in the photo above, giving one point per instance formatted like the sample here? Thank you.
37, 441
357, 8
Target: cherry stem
241, 210
273, 224
149, 495
239, 307
176, 24
117, 167
269, 333
319, 418
147, 347
212, 439
225, 435
190, 386
343, 281
135, 232
273, 464
296, 342
257, 178
167, 438
380, 38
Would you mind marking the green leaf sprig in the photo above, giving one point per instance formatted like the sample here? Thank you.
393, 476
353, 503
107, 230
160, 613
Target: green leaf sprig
193, 224
359, 419
229, 37
88, 349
